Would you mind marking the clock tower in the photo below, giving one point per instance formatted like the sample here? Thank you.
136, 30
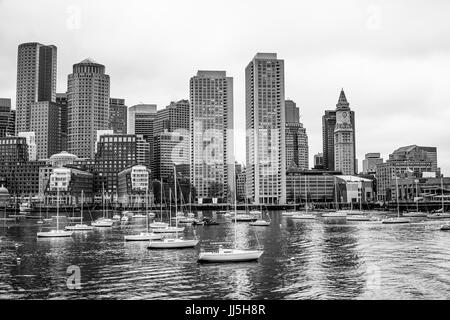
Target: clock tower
344, 138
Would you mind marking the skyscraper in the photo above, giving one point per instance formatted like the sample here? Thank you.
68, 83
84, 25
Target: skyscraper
88, 106
118, 116
61, 101
36, 80
45, 122
141, 119
328, 128
211, 125
5, 113
174, 117
297, 151
265, 124
11, 129
344, 142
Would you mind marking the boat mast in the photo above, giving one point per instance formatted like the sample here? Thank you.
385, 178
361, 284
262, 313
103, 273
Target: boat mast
442, 191
235, 206
175, 185
161, 195
336, 194
146, 206
81, 211
306, 197
57, 207
398, 204
417, 197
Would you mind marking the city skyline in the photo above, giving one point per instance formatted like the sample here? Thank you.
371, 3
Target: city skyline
379, 82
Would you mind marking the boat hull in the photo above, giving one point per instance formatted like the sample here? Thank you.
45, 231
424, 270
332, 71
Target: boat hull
168, 230
55, 234
143, 237
231, 256
178, 244
260, 223
79, 228
395, 221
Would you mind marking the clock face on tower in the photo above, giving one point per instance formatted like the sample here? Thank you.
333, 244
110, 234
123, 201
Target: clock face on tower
343, 117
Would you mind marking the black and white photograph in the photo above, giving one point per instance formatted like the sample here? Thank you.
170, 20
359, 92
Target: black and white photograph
239, 152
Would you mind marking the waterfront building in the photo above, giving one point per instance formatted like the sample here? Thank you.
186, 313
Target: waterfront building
211, 129
22, 178
171, 148
31, 144
328, 138
45, 122
265, 127
71, 183
114, 154
318, 185
36, 80
344, 138
118, 112
88, 106
426, 189
318, 161
415, 152
353, 189
370, 163
134, 186
5, 113
13, 150
61, 102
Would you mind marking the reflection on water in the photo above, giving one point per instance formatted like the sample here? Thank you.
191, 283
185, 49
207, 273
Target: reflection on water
301, 260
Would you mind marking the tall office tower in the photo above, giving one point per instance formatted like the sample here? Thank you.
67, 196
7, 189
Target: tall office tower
211, 128
11, 129
297, 151
265, 123
118, 116
141, 119
31, 143
61, 102
328, 128
5, 112
175, 117
36, 80
45, 122
318, 161
171, 148
88, 106
344, 142
370, 162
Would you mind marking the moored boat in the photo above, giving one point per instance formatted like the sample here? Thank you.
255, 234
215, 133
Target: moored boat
230, 255
176, 243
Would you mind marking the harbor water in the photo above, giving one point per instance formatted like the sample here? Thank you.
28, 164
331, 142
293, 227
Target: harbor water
303, 259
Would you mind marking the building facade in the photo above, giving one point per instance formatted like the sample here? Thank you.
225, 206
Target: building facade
118, 114
36, 80
5, 113
344, 138
318, 161
30, 138
175, 117
88, 106
61, 102
11, 129
211, 128
370, 163
45, 122
134, 186
265, 127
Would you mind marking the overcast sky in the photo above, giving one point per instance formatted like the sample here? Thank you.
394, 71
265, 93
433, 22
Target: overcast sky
391, 57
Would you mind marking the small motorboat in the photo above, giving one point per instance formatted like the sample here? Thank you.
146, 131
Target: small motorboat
40, 222
230, 255
439, 215
151, 214
177, 243
198, 222
209, 222
124, 219
54, 234
144, 236
139, 216
79, 227
103, 223
25, 207
116, 217
244, 218
445, 227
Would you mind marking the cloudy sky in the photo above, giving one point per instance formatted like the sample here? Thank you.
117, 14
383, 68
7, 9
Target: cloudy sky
391, 57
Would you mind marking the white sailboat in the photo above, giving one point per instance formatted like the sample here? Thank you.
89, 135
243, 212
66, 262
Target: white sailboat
103, 222
231, 255
174, 243
338, 215
303, 215
144, 236
80, 226
169, 228
398, 220
55, 233
159, 224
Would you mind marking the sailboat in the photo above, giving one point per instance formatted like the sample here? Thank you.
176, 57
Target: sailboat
397, 220
160, 224
303, 215
338, 215
173, 243
103, 222
80, 226
144, 236
231, 255
55, 233
261, 222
